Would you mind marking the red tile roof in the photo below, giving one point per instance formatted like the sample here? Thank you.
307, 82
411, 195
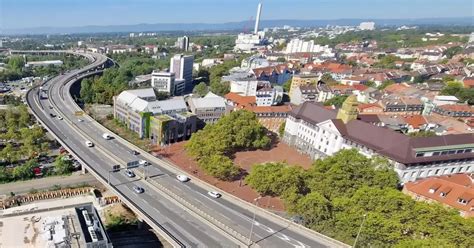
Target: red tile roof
469, 82
240, 101
416, 121
446, 190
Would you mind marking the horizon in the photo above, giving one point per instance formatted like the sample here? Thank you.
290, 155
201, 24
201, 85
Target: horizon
45, 14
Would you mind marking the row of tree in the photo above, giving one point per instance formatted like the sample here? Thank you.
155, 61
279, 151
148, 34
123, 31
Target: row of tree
340, 192
213, 145
454, 88
26, 171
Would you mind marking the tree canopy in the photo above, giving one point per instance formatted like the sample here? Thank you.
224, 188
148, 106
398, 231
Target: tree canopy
333, 196
236, 131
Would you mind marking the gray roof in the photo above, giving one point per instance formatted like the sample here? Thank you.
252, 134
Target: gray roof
211, 100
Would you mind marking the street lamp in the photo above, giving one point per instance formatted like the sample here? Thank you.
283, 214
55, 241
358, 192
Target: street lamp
253, 220
360, 229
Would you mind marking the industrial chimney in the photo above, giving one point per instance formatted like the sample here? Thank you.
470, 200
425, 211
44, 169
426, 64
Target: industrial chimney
257, 21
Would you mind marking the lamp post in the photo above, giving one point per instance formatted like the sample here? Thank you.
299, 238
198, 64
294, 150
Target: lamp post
360, 229
253, 220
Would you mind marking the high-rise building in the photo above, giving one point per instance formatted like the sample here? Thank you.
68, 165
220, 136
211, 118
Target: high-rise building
182, 66
182, 43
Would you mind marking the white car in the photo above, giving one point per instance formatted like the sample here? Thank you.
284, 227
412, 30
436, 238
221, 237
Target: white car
143, 162
89, 144
182, 178
80, 120
59, 117
106, 136
214, 194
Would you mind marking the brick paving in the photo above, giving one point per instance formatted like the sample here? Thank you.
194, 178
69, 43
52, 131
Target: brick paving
278, 153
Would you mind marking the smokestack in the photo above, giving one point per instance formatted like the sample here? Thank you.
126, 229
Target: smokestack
257, 21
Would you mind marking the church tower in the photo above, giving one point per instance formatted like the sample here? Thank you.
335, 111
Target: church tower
348, 111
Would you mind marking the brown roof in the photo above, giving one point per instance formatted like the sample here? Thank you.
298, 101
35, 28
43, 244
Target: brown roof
453, 187
416, 121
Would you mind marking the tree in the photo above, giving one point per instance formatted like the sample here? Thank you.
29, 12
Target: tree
201, 89
328, 79
220, 167
63, 166
450, 52
422, 133
281, 59
25, 171
336, 101
16, 63
314, 208
281, 129
276, 178
220, 88
385, 84
287, 85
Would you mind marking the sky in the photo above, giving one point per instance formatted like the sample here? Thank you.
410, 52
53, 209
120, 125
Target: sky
16, 14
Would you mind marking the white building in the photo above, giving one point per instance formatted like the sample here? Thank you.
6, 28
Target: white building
166, 82
182, 66
269, 96
319, 132
244, 87
301, 46
367, 26
182, 43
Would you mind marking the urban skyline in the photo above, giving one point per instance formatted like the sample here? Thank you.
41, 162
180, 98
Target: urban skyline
46, 13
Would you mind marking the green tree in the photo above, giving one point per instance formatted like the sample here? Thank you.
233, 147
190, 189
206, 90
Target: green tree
450, 52
220, 167
281, 129
423, 133
287, 85
314, 208
385, 84
220, 88
63, 166
336, 101
201, 89
25, 171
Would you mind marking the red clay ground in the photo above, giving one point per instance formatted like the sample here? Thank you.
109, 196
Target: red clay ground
279, 153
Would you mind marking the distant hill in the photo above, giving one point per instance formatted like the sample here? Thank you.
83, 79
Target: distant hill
461, 21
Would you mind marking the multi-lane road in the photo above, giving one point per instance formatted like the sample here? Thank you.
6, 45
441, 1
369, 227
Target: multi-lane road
182, 211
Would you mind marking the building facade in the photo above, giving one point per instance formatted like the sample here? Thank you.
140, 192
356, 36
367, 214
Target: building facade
319, 132
182, 66
208, 109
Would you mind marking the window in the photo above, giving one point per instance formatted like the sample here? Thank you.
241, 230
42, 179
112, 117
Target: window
443, 194
452, 152
437, 172
436, 153
468, 150
460, 169
462, 201
460, 151
452, 170
420, 154
444, 152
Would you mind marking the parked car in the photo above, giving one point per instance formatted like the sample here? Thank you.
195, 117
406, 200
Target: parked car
129, 173
138, 189
182, 178
214, 194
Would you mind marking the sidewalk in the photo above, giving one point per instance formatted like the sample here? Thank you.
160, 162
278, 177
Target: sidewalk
46, 183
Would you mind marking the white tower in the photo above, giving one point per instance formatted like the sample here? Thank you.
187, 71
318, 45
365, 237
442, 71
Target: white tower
257, 21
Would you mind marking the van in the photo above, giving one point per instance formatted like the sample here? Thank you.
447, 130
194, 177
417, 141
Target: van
106, 136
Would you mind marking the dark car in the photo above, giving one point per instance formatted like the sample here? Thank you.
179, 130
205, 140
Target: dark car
52, 115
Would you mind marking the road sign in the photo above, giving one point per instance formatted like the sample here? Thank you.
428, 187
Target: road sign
79, 113
132, 164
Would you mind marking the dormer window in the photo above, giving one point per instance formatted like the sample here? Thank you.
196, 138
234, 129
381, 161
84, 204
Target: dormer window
443, 194
432, 191
462, 201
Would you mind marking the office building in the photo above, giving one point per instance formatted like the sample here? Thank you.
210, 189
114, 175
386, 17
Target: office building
182, 66
139, 111
301, 46
208, 109
182, 43
319, 132
166, 82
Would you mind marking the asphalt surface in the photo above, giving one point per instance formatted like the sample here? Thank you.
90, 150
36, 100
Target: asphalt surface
170, 214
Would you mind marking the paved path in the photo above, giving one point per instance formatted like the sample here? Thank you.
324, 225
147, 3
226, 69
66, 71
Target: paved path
46, 183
